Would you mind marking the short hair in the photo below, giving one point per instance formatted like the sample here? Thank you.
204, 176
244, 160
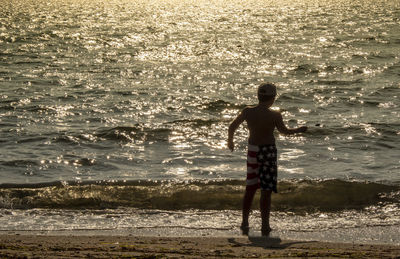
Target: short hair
265, 98
266, 92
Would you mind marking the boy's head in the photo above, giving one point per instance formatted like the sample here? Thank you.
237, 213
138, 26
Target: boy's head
266, 92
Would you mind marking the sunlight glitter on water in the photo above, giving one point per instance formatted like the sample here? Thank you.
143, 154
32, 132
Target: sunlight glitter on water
150, 77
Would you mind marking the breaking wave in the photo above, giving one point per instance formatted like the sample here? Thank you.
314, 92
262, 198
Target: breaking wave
295, 196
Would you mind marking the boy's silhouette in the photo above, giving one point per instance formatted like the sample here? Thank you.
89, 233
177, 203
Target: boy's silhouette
262, 153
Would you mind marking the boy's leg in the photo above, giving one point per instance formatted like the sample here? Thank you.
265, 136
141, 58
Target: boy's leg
247, 201
265, 207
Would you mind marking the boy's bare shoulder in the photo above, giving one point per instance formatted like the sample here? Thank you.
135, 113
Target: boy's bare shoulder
252, 107
257, 109
276, 112
248, 109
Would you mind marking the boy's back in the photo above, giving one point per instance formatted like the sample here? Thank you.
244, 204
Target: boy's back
261, 122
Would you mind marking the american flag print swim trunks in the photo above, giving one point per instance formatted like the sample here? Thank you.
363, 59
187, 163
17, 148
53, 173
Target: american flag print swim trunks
262, 167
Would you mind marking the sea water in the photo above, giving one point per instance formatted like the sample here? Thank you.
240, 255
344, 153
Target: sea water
115, 106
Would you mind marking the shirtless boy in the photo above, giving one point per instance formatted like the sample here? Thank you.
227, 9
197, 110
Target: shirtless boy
262, 153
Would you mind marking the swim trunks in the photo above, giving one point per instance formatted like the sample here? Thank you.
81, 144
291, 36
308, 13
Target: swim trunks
262, 167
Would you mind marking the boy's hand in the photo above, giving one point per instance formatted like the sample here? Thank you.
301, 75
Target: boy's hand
231, 146
302, 129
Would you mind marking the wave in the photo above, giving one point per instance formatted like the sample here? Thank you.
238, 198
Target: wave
340, 82
296, 196
383, 131
393, 70
306, 69
119, 134
144, 133
196, 122
162, 132
19, 163
122, 133
220, 105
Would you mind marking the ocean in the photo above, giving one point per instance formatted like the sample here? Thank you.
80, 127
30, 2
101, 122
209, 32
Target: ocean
114, 115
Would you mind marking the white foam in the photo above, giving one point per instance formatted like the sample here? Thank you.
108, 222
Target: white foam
349, 227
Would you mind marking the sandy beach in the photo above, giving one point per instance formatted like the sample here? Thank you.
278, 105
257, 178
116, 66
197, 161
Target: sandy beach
45, 246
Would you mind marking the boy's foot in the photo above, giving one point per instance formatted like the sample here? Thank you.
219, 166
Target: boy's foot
266, 231
245, 229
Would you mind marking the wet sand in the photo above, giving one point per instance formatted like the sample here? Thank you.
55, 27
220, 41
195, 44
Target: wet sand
46, 246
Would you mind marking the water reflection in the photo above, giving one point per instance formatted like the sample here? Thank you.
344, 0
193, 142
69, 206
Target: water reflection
291, 154
172, 74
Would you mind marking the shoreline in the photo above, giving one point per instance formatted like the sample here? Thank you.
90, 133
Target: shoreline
366, 235
96, 246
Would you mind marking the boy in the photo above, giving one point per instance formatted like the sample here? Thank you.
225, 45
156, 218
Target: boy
262, 153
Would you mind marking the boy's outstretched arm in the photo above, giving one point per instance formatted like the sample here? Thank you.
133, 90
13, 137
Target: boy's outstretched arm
280, 125
232, 128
